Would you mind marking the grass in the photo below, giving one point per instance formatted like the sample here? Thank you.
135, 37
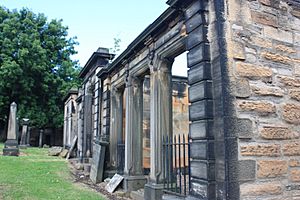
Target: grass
35, 175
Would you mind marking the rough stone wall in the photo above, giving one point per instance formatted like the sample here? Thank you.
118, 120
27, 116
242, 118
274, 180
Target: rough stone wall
263, 50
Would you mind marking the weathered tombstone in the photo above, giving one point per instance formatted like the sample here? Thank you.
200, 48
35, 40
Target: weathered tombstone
25, 123
64, 153
114, 183
54, 151
28, 137
41, 138
11, 147
97, 167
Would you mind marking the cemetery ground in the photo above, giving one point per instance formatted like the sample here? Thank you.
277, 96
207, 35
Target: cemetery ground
34, 175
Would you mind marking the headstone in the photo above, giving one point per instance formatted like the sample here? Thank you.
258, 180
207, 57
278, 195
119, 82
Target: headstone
64, 153
55, 151
25, 123
98, 160
11, 147
41, 138
28, 137
114, 183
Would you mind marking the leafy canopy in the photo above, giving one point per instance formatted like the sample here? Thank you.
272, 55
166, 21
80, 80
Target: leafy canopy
36, 69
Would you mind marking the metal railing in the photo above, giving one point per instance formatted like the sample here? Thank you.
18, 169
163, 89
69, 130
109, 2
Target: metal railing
176, 164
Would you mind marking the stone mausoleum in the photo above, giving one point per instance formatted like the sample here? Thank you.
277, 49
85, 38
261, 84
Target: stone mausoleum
229, 130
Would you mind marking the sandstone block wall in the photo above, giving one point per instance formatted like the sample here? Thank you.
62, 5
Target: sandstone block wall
263, 44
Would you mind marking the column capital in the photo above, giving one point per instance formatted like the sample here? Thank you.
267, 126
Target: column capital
133, 81
159, 63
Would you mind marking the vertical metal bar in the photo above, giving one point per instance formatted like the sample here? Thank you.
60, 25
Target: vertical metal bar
184, 165
164, 161
189, 154
171, 161
168, 162
180, 184
175, 148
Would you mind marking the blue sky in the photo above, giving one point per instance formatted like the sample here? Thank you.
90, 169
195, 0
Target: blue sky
97, 22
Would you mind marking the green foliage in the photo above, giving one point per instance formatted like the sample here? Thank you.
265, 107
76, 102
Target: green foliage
116, 47
34, 175
36, 70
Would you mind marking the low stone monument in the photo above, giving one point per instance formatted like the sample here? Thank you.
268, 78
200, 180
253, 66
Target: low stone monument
11, 147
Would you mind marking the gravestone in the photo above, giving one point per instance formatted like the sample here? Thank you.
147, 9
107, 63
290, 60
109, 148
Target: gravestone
25, 123
11, 147
97, 167
28, 137
41, 138
54, 151
114, 183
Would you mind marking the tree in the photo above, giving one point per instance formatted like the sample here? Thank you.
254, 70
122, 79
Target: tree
36, 70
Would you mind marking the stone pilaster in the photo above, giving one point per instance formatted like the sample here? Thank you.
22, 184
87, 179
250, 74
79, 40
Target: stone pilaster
133, 170
160, 122
87, 122
80, 126
65, 126
202, 152
116, 125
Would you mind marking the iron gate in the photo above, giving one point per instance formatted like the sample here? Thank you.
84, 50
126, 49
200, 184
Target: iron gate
177, 164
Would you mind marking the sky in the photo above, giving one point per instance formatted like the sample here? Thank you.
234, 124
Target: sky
96, 23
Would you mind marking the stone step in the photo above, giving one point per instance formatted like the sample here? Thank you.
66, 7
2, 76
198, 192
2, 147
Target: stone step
137, 195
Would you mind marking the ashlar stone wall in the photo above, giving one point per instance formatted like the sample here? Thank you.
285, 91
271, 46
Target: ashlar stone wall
263, 50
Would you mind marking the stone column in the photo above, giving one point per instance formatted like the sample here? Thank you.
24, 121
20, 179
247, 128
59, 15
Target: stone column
133, 171
160, 121
116, 125
41, 138
11, 147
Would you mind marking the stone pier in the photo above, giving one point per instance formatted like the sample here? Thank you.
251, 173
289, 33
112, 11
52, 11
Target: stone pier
133, 171
11, 147
116, 136
160, 122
